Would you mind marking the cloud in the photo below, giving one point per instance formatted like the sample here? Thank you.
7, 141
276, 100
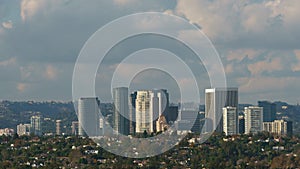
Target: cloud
11, 61
22, 87
267, 84
29, 8
51, 72
258, 39
257, 68
124, 2
240, 54
296, 66
7, 25
257, 24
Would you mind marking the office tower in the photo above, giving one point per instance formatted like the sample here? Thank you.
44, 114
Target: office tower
230, 121
172, 114
36, 125
279, 127
88, 116
269, 110
75, 127
163, 100
253, 119
132, 113
143, 116
121, 110
23, 129
161, 124
241, 124
58, 127
215, 100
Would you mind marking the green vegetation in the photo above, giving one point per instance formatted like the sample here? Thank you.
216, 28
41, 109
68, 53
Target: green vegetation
247, 151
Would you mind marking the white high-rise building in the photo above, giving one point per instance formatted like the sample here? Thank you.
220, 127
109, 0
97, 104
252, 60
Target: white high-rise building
88, 116
121, 110
253, 119
280, 127
230, 122
58, 127
23, 129
143, 114
215, 100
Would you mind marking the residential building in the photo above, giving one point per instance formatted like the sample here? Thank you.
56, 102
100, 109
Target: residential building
279, 127
230, 121
253, 119
58, 127
23, 129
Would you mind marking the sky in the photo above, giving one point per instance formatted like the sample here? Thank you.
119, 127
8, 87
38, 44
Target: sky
258, 42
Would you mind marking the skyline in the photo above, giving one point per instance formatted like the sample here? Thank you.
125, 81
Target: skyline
258, 42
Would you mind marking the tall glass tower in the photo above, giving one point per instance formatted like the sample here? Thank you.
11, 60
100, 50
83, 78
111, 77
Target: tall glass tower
88, 116
35, 125
121, 122
215, 100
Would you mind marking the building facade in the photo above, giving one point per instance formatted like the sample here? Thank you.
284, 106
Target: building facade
121, 117
36, 125
279, 127
23, 129
132, 107
161, 124
88, 116
269, 110
253, 119
58, 127
241, 124
230, 121
75, 127
215, 100
144, 115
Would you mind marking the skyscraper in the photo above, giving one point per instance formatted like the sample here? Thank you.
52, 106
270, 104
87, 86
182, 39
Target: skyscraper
253, 119
121, 110
149, 106
241, 124
215, 100
132, 106
172, 113
58, 127
230, 121
163, 101
144, 117
88, 116
269, 110
35, 125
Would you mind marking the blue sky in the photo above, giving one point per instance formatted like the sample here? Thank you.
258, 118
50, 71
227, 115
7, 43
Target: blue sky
258, 41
